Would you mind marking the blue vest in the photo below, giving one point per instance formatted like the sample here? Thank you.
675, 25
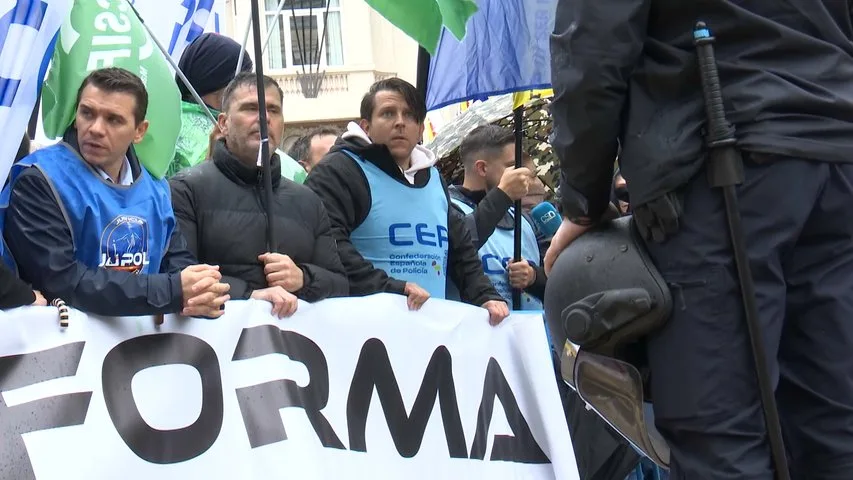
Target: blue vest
497, 252
113, 226
405, 232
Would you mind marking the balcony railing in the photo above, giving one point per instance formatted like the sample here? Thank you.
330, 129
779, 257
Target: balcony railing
333, 83
339, 98
383, 75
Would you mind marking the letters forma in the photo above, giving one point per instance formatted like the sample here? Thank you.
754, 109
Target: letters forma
343, 427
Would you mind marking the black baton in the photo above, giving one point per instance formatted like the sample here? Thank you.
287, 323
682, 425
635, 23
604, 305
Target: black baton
725, 170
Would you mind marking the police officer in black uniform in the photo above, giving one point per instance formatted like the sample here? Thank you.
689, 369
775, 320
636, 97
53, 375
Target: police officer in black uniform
625, 74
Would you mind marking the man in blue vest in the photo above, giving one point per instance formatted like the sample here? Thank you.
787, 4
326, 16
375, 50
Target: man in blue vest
389, 207
491, 185
84, 222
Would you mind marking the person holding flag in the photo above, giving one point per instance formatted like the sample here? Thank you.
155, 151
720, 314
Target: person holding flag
86, 223
389, 207
486, 198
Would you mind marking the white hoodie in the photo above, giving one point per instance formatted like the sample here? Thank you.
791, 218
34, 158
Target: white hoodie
422, 157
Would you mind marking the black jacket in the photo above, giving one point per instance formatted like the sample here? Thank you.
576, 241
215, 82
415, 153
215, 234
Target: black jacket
491, 211
220, 207
41, 242
13, 292
340, 182
627, 70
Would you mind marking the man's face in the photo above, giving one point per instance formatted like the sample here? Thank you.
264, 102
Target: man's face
240, 123
495, 168
106, 126
393, 124
320, 146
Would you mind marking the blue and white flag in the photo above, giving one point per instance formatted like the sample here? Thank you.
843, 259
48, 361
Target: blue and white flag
176, 23
28, 32
506, 49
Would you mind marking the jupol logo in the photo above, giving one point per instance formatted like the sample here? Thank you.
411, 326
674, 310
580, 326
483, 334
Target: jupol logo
124, 244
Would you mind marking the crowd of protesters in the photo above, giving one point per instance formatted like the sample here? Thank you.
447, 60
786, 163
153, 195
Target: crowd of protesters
353, 212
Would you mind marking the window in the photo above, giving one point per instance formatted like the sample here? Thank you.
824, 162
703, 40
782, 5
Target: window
307, 23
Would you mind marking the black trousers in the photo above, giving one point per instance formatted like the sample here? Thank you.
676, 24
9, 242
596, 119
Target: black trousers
798, 220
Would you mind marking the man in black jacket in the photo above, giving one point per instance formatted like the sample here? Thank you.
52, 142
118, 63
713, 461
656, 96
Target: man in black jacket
486, 196
625, 72
389, 207
87, 224
219, 205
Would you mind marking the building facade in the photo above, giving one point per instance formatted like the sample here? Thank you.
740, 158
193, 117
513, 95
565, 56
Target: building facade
353, 45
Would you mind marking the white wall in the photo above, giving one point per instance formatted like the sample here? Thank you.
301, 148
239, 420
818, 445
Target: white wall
372, 49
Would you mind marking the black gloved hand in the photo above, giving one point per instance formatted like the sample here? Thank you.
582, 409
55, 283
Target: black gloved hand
659, 218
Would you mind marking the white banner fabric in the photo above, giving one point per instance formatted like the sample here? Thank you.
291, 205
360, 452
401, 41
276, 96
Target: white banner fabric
346, 388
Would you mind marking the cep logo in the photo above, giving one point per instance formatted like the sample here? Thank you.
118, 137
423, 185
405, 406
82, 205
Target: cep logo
495, 265
406, 234
549, 215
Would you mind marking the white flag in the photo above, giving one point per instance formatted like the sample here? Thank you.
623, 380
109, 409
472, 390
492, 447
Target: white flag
176, 23
28, 31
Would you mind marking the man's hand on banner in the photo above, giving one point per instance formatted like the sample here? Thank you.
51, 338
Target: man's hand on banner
203, 293
498, 311
521, 274
282, 272
40, 300
284, 303
416, 296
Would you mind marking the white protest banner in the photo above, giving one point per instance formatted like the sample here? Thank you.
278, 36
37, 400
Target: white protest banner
346, 388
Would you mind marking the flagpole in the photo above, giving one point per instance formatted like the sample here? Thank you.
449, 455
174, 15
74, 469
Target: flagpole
422, 72
174, 65
243, 47
264, 128
518, 118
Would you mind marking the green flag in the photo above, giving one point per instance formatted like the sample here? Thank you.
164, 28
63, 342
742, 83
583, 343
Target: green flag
107, 33
422, 19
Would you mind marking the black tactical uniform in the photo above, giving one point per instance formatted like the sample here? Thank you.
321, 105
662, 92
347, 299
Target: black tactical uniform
625, 74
